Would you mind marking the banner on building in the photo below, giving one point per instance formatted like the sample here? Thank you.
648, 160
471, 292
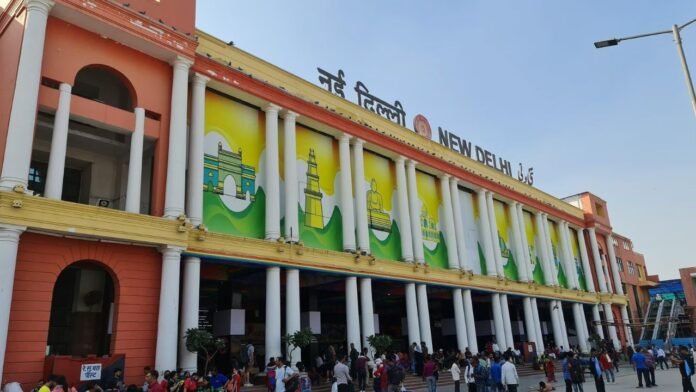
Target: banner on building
434, 247
534, 242
380, 182
234, 201
574, 239
475, 256
556, 254
504, 244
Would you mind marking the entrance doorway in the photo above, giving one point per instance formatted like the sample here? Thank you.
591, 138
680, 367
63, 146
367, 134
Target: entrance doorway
81, 311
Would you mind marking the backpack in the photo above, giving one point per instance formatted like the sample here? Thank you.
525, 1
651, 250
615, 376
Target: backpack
481, 374
396, 375
305, 384
271, 379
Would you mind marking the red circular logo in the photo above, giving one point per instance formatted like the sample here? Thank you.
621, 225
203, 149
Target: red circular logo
422, 126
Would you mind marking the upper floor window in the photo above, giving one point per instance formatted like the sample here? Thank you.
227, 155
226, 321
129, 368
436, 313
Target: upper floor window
626, 245
614, 241
619, 263
631, 268
106, 85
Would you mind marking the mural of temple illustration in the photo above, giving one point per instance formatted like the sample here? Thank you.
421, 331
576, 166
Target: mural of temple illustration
428, 226
227, 163
378, 219
314, 216
504, 250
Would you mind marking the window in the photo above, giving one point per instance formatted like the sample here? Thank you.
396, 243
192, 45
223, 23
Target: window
619, 263
626, 245
600, 210
631, 268
614, 242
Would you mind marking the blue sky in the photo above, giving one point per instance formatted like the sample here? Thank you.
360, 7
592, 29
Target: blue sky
522, 79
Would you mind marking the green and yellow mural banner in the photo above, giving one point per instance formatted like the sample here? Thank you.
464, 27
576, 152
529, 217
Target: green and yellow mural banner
505, 240
472, 221
380, 179
434, 247
534, 242
234, 201
556, 250
317, 162
574, 239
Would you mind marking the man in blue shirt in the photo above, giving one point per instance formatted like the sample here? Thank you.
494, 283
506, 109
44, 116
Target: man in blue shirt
496, 374
217, 380
641, 367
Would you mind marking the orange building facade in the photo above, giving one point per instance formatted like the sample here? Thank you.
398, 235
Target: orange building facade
146, 172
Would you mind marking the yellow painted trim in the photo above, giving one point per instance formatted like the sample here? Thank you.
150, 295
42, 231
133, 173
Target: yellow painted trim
269, 73
71, 219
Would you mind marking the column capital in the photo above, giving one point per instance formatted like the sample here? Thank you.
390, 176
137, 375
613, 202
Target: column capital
170, 250
344, 137
43, 6
271, 108
182, 63
358, 142
400, 160
199, 79
445, 177
411, 163
290, 115
591, 230
192, 260
454, 181
65, 87
481, 192
11, 233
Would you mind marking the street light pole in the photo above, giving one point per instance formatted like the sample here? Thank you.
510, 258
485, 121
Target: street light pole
675, 31
685, 66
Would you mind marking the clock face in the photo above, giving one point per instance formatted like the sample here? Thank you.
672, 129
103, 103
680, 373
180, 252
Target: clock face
422, 126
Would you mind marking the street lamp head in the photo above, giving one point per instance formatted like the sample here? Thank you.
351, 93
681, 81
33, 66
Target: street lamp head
604, 44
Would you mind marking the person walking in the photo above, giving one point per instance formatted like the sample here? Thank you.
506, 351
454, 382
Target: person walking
480, 375
550, 368
396, 376
496, 384
607, 366
577, 373
429, 376
455, 371
566, 372
650, 363
597, 369
638, 360
662, 358
509, 377
342, 374
361, 369
686, 368
469, 376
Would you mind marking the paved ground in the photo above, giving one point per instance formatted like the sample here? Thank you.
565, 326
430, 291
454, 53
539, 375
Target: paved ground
626, 380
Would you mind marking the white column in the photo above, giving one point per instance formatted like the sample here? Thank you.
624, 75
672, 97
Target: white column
352, 313
424, 316
525, 243
485, 233
412, 314
613, 266
347, 214
517, 243
450, 234
292, 225
544, 253
597, 321
59, 145
360, 197
579, 320
537, 325
507, 325
272, 335
498, 322
20, 129
459, 320
556, 324
458, 224
272, 174
194, 188
529, 327
167, 323
9, 242
609, 315
404, 216
176, 158
367, 315
564, 328
135, 165
292, 311
470, 321
495, 239
597, 260
627, 325
587, 271
414, 213
189, 310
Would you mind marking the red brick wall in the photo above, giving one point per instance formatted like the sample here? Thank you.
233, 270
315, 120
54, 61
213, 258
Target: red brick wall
136, 274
